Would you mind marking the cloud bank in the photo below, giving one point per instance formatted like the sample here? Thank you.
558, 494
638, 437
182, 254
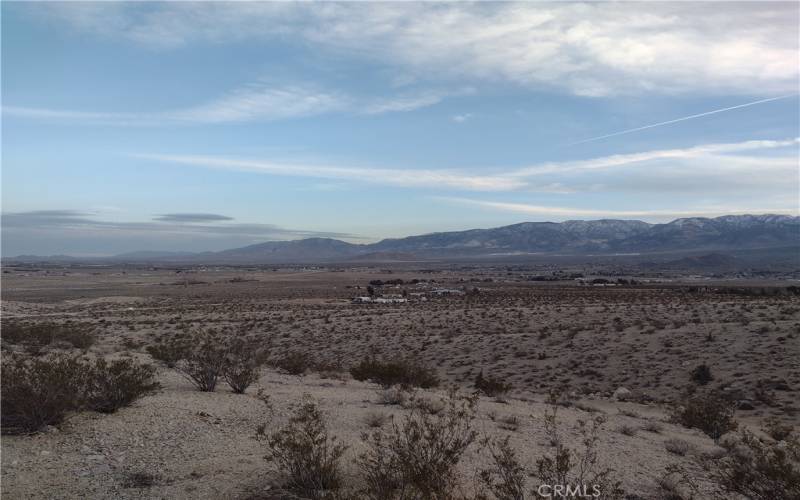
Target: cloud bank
589, 49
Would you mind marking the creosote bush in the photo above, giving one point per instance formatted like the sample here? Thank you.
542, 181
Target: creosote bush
294, 362
243, 363
417, 458
701, 375
710, 412
759, 470
204, 357
41, 391
35, 337
305, 451
505, 477
401, 372
203, 364
578, 467
490, 385
113, 385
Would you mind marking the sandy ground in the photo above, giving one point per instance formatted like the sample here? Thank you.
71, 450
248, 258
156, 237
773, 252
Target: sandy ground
537, 336
202, 445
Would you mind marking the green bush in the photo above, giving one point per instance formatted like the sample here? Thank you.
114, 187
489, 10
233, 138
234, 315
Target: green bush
389, 373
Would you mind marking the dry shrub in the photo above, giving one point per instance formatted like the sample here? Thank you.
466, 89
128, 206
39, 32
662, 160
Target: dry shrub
388, 373
243, 362
35, 337
203, 363
710, 412
170, 352
758, 470
778, 430
418, 457
505, 477
701, 374
576, 468
393, 396
677, 446
305, 451
113, 385
40, 392
294, 362
490, 385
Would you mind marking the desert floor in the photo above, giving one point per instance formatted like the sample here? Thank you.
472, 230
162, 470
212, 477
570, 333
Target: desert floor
588, 340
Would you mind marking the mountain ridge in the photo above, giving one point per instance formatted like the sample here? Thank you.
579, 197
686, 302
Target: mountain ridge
578, 237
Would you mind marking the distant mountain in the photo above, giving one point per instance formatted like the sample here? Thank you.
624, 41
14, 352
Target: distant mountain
599, 237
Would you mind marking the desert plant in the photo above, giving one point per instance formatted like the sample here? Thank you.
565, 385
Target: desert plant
203, 364
375, 419
400, 372
112, 385
505, 477
757, 470
575, 468
677, 446
294, 362
490, 385
710, 412
305, 451
417, 458
701, 374
676, 484
170, 352
777, 430
39, 335
40, 392
242, 365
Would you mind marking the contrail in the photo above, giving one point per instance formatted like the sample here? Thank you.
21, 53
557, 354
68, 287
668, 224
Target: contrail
680, 119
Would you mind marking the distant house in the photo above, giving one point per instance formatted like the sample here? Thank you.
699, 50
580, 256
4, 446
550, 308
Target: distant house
447, 291
378, 300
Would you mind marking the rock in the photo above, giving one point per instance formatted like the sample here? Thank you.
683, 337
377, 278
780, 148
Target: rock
621, 394
745, 405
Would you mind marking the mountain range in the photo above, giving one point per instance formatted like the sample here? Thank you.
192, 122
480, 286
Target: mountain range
597, 237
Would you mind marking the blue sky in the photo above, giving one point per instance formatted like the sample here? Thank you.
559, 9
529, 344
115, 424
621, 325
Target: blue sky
203, 126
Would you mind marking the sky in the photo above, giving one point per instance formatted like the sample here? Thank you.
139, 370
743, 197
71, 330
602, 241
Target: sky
186, 126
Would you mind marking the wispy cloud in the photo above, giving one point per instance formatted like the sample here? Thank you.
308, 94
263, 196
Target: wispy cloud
590, 49
191, 217
167, 225
560, 212
448, 179
461, 118
254, 102
712, 167
710, 151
